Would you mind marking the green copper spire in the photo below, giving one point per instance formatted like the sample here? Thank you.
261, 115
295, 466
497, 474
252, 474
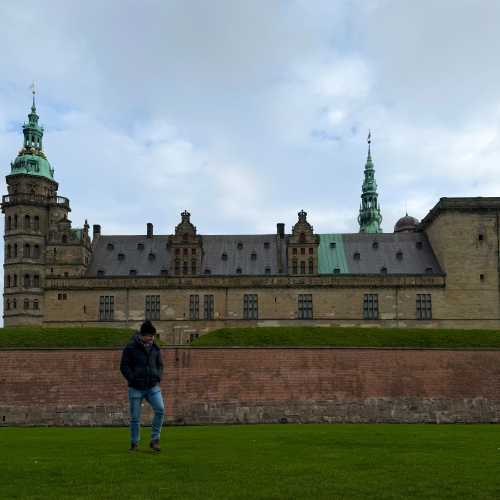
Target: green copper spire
31, 159
369, 217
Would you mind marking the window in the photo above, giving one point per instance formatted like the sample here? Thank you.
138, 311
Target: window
238, 270
419, 245
184, 251
399, 255
8, 281
100, 273
133, 272
15, 221
64, 239
8, 251
152, 307
164, 272
121, 256
15, 249
268, 270
177, 268
106, 307
311, 251
480, 237
428, 270
26, 304
370, 306
424, 306
250, 306
14, 303
302, 267
294, 251
208, 307
375, 245
383, 270
9, 223
266, 245
36, 252
140, 246
27, 222
62, 296
193, 266
194, 307
224, 256
311, 266
36, 223
36, 281
110, 246
177, 251
302, 251
294, 266
193, 251
336, 270
35, 305
151, 256
27, 281
333, 244
15, 280
7, 304
184, 267
253, 256
356, 256
481, 277
305, 306
27, 250
302, 237
239, 245
207, 271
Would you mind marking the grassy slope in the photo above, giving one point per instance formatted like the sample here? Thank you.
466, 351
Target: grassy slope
249, 462
29, 336
350, 337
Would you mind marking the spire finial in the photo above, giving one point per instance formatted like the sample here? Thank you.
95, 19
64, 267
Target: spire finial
33, 91
369, 140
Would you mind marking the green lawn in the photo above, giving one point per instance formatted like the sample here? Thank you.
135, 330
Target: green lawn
344, 461
29, 336
351, 337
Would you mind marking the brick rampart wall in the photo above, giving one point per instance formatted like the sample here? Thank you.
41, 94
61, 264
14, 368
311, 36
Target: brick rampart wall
229, 385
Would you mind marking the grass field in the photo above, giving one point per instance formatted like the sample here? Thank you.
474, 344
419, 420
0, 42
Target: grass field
29, 336
254, 462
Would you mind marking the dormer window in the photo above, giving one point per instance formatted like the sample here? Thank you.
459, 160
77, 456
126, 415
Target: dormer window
151, 256
419, 245
383, 270
133, 272
253, 256
121, 256
164, 272
100, 273
375, 245
268, 270
238, 270
356, 256
140, 246
336, 270
224, 256
399, 255
207, 271
266, 244
428, 270
333, 244
239, 246
109, 246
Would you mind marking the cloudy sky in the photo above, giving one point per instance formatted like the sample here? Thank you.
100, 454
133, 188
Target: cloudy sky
246, 111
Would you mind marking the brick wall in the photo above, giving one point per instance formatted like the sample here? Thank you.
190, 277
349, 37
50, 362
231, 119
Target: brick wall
229, 385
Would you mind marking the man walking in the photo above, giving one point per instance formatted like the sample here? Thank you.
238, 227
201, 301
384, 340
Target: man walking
142, 366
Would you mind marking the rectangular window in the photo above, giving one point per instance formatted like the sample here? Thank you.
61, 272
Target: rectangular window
250, 306
194, 307
152, 307
302, 267
424, 306
370, 306
208, 307
305, 306
106, 307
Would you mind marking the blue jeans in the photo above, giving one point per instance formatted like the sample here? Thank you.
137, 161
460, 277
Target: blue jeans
154, 398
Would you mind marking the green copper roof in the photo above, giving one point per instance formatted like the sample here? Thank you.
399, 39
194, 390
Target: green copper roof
331, 254
31, 160
369, 217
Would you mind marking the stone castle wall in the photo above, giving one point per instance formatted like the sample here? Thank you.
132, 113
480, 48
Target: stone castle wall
255, 385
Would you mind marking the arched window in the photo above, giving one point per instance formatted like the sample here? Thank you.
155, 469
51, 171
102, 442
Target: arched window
26, 304
27, 250
36, 223
36, 252
15, 280
8, 251
15, 249
27, 222
27, 281
36, 281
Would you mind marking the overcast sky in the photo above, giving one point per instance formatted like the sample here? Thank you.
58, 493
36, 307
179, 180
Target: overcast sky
246, 111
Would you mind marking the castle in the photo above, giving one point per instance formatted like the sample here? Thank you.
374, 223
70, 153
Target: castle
440, 272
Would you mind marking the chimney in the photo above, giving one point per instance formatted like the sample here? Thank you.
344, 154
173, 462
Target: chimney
96, 231
149, 232
281, 229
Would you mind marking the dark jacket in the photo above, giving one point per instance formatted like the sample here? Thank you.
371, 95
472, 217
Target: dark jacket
143, 369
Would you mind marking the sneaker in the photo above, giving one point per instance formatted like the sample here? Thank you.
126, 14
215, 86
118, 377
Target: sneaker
155, 445
133, 447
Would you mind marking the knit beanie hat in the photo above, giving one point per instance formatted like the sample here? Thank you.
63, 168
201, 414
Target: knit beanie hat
147, 328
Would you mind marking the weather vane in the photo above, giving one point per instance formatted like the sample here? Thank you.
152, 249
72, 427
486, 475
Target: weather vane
369, 136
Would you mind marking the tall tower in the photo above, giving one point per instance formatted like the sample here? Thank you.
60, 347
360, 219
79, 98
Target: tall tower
34, 217
369, 217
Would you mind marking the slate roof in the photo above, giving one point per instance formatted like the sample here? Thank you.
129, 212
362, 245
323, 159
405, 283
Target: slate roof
398, 253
